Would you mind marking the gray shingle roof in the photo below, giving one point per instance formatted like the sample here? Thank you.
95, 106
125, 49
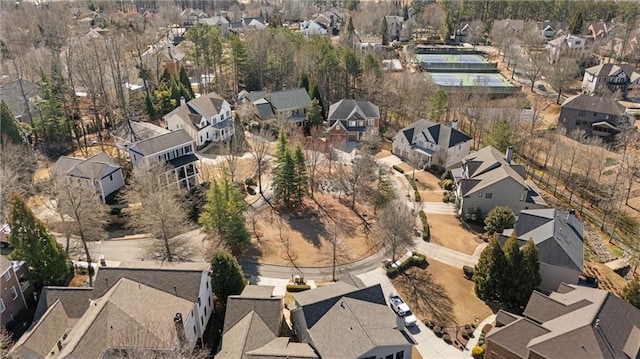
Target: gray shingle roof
95, 167
586, 102
443, 135
346, 322
289, 99
580, 322
559, 243
134, 131
11, 94
352, 109
164, 142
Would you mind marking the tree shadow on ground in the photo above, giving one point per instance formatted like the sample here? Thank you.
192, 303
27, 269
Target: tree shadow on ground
310, 228
426, 297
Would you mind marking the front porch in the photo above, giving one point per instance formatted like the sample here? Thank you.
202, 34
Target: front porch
184, 172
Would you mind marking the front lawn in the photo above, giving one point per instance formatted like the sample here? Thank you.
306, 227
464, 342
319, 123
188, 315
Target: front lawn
441, 293
449, 231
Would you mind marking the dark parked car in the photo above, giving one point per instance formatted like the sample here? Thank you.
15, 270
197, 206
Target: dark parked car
541, 87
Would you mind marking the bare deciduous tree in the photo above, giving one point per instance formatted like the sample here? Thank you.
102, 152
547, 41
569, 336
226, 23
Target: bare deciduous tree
17, 166
81, 203
394, 228
157, 206
259, 149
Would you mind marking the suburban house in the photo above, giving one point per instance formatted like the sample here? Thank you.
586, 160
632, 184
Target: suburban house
559, 239
394, 26
425, 143
572, 322
290, 105
615, 78
547, 29
191, 16
16, 290
512, 25
131, 132
348, 320
206, 118
98, 171
351, 120
369, 44
253, 328
11, 94
176, 149
570, 46
164, 56
331, 19
312, 28
488, 179
247, 23
129, 312
597, 31
597, 116
220, 21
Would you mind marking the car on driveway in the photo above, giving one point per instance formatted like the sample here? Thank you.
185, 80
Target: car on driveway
541, 87
402, 310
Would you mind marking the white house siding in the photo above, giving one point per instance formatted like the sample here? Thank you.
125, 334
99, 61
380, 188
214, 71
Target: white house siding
190, 328
175, 123
204, 308
384, 351
503, 193
552, 276
589, 83
457, 153
112, 182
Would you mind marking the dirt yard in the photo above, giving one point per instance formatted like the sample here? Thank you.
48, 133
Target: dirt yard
442, 294
449, 232
304, 241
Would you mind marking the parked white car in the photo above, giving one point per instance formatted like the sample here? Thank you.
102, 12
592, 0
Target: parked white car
402, 309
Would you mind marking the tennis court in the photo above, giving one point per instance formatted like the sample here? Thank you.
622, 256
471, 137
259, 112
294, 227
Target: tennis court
494, 82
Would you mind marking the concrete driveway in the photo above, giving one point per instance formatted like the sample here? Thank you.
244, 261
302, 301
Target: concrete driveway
389, 161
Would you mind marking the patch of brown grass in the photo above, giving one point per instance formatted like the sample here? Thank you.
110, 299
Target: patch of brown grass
442, 294
79, 280
448, 231
304, 241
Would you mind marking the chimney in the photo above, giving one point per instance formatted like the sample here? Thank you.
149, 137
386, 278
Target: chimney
179, 324
571, 218
182, 101
508, 156
454, 124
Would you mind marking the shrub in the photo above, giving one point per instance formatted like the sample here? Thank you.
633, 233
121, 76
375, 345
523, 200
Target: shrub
250, 182
416, 194
447, 184
437, 331
480, 342
447, 338
392, 272
436, 170
446, 175
412, 182
397, 168
293, 288
477, 352
425, 226
468, 271
416, 259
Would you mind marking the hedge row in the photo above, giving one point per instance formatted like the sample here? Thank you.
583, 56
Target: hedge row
416, 194
416, 259
425, 226
468, 271
293, 288
397, 169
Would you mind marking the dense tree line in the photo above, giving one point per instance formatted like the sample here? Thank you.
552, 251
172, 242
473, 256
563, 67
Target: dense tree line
507, 274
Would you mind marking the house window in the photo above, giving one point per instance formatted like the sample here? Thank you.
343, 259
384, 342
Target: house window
480, 194
2, 307
372, 121
110, 177
207, 135
205, 311
352, 123
578, 42
488, 195
595, 114
7, 275
201, 321
14, 292
400, 355
194, 329
522, 197
390, 356
581, 113
606, 117
564, 120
